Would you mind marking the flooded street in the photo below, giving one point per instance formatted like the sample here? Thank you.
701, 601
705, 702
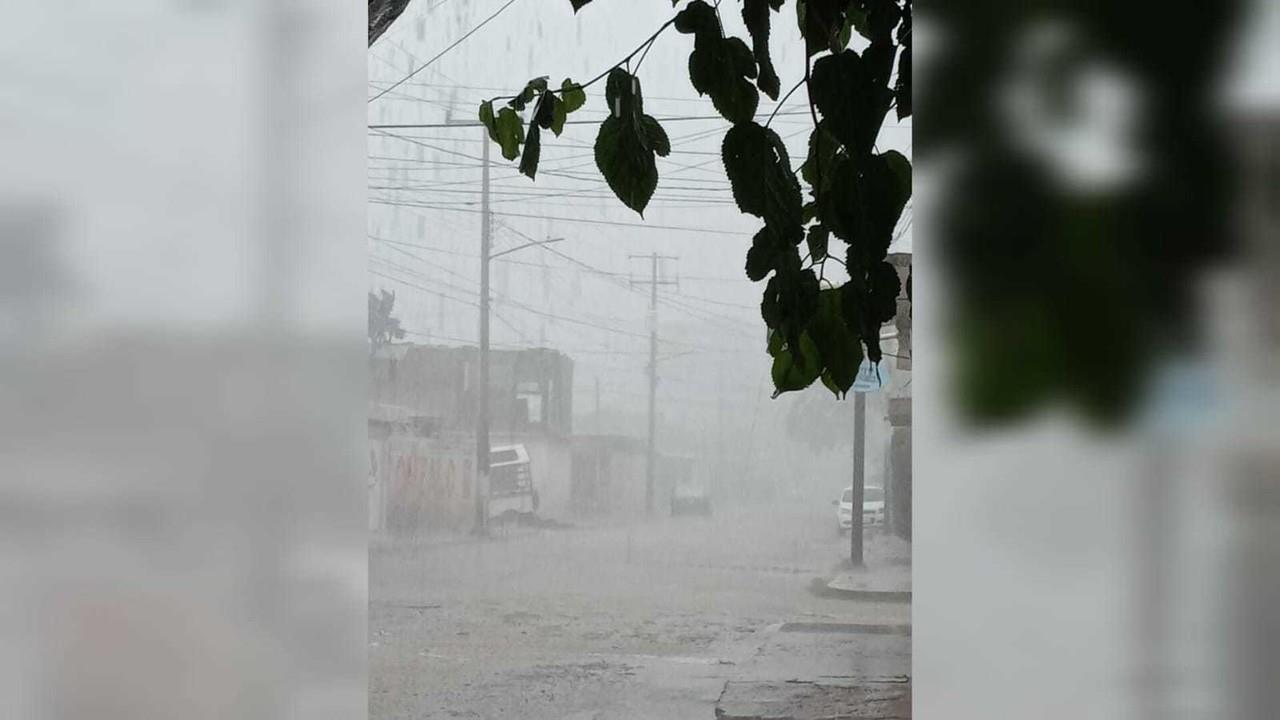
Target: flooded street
646, 621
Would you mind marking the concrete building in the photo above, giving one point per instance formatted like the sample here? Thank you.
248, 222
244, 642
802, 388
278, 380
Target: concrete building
898, 453
423, 404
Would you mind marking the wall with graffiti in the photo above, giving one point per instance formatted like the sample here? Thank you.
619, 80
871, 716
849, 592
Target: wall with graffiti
420, 486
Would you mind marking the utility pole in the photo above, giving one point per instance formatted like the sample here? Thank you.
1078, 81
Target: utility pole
482, 411
653, 282
482, 403
859, 476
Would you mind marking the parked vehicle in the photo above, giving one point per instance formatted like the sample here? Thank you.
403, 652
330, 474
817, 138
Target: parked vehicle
690, 500
872, 508
511, 490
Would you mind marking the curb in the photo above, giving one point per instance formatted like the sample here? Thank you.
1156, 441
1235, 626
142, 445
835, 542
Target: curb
822, 588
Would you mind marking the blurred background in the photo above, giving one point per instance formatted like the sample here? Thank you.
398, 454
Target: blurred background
1096, 360
181, 388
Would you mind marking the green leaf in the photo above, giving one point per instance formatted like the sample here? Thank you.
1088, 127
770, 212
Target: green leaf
655, 137
885, 286
886, 188
531, 90
558, 116
837, 343
626, 163
796, 367
622, 92
821, 22
759, 170
763, 255
510, 130
821, 160
698, 18
744, 63
488, 120
848, 92
770, 311
900, 167
544, 114
756, 15
719, 68
532, 152
573, 95
818, 238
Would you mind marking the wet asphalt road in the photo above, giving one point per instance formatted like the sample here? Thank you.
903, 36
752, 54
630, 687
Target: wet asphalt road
646, 621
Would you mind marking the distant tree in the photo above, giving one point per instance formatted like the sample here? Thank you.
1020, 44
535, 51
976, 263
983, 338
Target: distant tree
383, 328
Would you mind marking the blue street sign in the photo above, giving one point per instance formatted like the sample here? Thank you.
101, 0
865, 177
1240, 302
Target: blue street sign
871, 378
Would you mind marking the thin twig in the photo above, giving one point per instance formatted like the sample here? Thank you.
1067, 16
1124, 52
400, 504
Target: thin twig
782, 102
608, 70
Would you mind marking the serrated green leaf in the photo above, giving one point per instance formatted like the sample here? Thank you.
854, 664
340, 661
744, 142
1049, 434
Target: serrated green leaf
763, 255
820, 23
770, 311
744, 63
626, 164
654, 136
623, 93
775, 343
510, 131
558, 117
532, 152
717, 68
796, 367
852, 99
572, 94
756, 15
837, 343
821, 159
900, 167
759, 170
531, 90
698, 18
488, 120
544, 114
885, 286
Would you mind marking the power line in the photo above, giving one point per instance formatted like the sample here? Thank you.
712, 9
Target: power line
684, 118
613, 223
442, 53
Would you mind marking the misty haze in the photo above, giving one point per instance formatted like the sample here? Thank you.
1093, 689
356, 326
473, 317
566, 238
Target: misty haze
630, 525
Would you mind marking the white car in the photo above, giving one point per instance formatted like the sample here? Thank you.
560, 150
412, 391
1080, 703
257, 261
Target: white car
872, 508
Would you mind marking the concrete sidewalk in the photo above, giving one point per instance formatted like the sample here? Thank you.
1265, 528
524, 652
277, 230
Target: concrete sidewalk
886, 577
823, 671
855, 666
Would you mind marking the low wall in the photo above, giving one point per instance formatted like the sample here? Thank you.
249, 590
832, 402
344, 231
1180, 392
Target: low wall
420, 486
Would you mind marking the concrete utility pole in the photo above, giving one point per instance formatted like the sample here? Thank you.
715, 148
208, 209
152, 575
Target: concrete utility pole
482, 410
653, 282
859, 476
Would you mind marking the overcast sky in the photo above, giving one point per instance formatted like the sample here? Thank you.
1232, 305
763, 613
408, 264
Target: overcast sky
433, 180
